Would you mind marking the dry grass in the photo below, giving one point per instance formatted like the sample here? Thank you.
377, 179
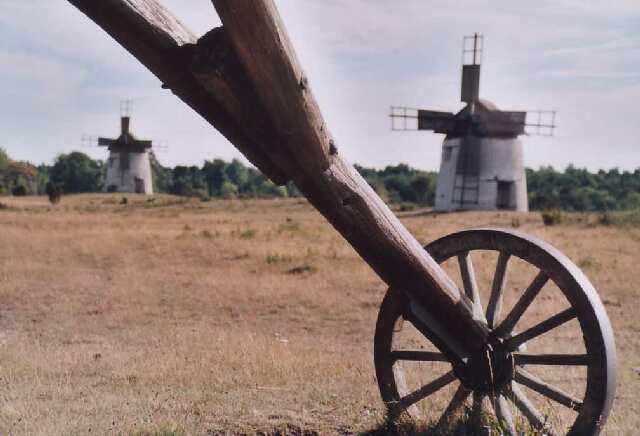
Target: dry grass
182, 317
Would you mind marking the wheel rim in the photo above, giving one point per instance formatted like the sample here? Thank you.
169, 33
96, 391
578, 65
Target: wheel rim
498, 372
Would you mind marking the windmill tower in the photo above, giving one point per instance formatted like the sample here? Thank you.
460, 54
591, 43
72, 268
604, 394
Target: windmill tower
128, 167
482, 163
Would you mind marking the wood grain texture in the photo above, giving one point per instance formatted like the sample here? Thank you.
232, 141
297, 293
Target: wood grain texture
263, 46
218, 70
330, 183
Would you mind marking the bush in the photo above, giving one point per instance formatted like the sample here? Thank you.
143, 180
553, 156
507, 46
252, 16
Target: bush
202, 195
552, 217
19, 191
605, 219
229, 190
54, 192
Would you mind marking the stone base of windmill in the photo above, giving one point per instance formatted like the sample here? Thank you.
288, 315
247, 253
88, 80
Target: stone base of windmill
129, 173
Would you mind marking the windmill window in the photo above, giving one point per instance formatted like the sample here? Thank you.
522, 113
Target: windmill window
446, 153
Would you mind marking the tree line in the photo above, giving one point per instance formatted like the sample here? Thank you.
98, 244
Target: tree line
573, 189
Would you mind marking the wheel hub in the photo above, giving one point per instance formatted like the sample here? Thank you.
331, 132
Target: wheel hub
489, 370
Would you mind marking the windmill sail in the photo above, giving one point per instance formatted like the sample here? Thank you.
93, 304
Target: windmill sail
439, 122
470, 89
500, 123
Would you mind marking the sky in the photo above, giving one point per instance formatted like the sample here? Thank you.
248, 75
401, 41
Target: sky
61, 77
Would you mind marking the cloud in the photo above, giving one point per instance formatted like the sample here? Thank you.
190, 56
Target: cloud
66, 76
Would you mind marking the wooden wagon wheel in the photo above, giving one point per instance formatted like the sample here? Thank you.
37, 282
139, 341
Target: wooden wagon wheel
496, 374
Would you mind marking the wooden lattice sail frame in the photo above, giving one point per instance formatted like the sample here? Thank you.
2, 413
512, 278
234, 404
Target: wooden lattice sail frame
245, 80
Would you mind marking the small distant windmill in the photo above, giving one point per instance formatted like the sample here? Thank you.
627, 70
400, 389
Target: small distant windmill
482, 159
128, 167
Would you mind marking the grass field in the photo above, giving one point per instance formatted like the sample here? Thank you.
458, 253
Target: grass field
186, 317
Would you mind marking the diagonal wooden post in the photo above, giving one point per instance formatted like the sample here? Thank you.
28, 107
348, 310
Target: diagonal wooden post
246, 81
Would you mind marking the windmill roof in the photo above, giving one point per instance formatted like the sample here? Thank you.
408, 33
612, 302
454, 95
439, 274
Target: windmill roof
480, 106
488, 105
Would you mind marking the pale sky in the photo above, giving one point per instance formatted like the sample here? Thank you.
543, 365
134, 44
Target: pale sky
61, 76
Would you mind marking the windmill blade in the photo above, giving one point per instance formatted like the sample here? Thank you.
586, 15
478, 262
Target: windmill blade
161, 146
540, 123
106, 142
500, 123
88, 141
472, 48
406, 118
439, 122
126, 108
403, 118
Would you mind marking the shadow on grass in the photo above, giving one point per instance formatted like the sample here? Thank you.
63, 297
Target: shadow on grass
387, 428
411, 429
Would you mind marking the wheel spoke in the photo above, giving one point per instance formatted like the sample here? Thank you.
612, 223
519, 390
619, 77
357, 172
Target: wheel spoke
506, 327
541, 328
426, 390
503, 413
551, 359
470, 284
469, 277
494, 307
454, 406
401, 383
527, 408
552, 392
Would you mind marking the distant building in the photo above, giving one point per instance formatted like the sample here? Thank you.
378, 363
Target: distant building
482, 164
128, 166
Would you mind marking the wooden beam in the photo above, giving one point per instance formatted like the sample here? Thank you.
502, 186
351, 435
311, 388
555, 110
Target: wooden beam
218, 70
330, 183
258, 96
263, 46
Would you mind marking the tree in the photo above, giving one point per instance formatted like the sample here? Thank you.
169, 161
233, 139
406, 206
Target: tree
162, 176
228, 190
421, 185
215, 175
268, 189
19, 190
399, 187
21, 178
4, 159
631, 201
77, 172
188, 182
237, 173
43, 178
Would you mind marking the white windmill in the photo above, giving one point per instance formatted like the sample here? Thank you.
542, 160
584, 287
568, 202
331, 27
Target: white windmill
128, 167
482, 163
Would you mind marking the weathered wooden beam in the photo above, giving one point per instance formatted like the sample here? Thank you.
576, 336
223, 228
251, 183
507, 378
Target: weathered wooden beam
160, 42
263, 46
218, 70
257, 95
330, 183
